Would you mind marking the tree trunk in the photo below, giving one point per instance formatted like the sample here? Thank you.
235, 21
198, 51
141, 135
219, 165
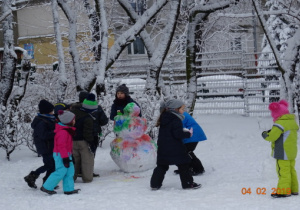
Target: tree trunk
71, 16
9, 68
198, 14
61, 59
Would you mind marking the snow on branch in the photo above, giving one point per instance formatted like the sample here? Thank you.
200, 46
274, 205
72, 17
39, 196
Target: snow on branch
213, 7
129, 35
3, 16
134, 17
268, 36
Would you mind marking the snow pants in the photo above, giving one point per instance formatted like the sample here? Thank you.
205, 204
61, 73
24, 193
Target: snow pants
49, 166
84, 160
195, 164
61, 173
287, 176
160, 171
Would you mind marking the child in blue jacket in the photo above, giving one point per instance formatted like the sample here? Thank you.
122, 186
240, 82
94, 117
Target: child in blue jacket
196, 167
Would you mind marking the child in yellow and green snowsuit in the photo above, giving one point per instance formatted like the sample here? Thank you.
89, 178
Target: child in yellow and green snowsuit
283, 137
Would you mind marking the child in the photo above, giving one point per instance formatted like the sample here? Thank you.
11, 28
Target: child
171, 150
196, 166
60, 106
62, 153
43, 135
283, 136
84, 147
122, 99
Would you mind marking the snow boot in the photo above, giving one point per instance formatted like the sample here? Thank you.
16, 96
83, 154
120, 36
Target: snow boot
30, 179
280, 195
155, 188
96, 175
72, 192
196, 173
48, 191
193, 186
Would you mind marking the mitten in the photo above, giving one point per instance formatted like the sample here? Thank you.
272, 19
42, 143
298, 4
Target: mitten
265, 134
66, 162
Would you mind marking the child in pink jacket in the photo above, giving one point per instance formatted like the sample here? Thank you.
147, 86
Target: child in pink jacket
62, 154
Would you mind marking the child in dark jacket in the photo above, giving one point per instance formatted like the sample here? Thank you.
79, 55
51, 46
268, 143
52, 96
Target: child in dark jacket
62, 154
43, 135
196, 167
122, 99
171, 150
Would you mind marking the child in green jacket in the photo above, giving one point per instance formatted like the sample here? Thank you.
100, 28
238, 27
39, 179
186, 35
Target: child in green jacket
283, 137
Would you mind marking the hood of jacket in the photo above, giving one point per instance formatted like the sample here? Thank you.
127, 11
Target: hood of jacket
59, 127
38, 119
167, 117
288, 120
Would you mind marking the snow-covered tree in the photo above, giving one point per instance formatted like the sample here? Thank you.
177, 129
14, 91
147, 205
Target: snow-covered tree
282, 31
198, 14
59, 46
12, 89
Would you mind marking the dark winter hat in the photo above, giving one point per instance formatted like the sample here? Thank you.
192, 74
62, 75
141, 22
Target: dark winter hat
65, 117
60, 106
82, 96
90, 102
45, 107
124, 89
171, 104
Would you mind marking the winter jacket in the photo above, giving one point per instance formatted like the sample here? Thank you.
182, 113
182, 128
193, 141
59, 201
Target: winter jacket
43, 133
198, 133
84, 126
171, 149
283, 136
99, 117
115, 107
63, 140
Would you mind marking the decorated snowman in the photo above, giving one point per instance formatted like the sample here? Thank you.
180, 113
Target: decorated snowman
132, 150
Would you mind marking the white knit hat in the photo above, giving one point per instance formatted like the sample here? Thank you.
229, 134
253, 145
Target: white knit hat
65, 117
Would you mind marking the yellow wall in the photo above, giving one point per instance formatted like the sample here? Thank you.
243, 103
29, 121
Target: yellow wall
45, 49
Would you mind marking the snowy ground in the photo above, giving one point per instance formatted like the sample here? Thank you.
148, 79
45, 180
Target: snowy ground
235, 156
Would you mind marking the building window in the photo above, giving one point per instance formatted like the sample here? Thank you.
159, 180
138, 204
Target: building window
136, 47
236, 44
30, 50
139, 6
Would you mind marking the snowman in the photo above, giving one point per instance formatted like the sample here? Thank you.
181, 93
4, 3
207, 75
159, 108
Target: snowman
132, 150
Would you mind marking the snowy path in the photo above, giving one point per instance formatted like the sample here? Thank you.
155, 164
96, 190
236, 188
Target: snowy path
235, 157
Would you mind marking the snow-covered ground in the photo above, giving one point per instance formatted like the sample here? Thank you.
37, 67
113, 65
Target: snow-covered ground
235, 157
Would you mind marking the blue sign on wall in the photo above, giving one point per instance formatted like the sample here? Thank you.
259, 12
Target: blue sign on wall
29, 48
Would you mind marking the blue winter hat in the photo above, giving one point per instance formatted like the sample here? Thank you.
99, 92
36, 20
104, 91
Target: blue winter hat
60, 106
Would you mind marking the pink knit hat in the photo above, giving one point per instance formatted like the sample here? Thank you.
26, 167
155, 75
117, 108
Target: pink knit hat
278, 109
